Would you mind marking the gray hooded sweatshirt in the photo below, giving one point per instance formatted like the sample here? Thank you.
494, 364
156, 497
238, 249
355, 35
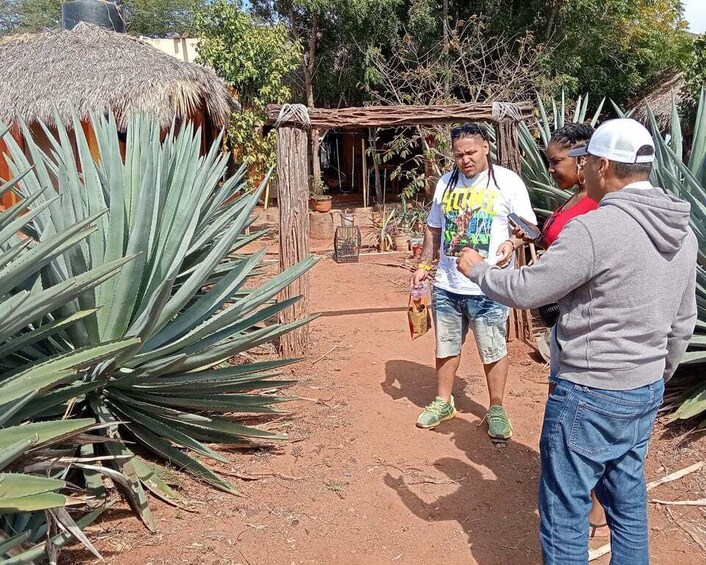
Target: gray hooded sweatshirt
624, 277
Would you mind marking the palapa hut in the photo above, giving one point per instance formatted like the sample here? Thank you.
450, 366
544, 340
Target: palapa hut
93, 69
659, 100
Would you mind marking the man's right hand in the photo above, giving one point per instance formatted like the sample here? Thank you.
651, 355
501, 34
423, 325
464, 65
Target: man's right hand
418, 276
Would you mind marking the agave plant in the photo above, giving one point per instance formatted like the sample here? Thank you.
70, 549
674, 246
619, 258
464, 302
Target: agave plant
33, 489
35, 457
183, 296
684, 174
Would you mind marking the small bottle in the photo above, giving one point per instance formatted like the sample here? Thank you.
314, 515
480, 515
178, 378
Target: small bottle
418, 291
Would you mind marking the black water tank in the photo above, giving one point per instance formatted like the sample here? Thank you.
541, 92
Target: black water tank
98, 12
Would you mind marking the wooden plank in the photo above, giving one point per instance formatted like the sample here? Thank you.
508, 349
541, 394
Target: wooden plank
508, 145
293, 201
393, 116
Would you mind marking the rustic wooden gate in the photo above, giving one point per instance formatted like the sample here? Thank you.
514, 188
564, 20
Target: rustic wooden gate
292, 121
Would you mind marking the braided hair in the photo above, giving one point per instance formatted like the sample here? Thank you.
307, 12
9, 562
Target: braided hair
469, 129
572, 135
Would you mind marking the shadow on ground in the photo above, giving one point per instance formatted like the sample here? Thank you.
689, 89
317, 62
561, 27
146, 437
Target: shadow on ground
495, 496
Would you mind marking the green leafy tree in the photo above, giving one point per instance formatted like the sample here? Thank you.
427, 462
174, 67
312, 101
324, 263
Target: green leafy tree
160, 18
616, 48
695, 76
31, 15
255, 59
335, 35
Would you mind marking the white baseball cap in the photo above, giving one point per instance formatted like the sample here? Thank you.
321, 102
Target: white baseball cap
619, 140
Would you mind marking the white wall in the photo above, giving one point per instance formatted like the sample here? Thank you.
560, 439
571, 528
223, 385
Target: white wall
183, 48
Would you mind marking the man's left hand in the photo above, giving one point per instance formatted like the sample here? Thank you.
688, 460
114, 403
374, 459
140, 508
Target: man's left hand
467, 259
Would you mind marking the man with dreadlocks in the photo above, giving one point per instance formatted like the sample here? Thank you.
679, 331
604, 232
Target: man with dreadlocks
470, 209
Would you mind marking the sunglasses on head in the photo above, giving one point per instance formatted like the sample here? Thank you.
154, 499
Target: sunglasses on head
466, 130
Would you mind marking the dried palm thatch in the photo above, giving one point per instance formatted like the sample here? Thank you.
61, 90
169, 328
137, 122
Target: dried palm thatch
92, 69
659, 100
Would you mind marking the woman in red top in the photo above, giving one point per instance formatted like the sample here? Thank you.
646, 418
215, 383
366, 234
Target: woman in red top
566, 172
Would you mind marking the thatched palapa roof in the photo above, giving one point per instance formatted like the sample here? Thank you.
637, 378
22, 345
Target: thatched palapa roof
659, 100
94, 69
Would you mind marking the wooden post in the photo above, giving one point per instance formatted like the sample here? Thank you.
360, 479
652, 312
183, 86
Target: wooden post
364, 161
293, 201
509, 156
396, 116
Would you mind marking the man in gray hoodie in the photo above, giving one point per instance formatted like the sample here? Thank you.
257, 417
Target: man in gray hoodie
624, 277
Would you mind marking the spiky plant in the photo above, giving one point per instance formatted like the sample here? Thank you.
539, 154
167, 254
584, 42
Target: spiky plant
185, 295
34, 491
683, 173
36, 456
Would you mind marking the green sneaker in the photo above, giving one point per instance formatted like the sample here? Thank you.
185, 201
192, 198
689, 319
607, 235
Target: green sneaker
499, 426
436, 412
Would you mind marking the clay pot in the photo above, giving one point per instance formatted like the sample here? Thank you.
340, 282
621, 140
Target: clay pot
321, 203
417, 246
402, 242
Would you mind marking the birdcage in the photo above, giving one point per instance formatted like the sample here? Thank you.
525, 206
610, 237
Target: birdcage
346, 244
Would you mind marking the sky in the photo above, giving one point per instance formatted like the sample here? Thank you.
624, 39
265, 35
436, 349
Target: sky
695, 14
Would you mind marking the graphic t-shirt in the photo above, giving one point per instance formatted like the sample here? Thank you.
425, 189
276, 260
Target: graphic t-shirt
474, 214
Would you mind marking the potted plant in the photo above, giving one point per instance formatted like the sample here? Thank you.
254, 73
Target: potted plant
385, 230
319, 201
412, 219
416, 242
400, 237
402, 242
387, 241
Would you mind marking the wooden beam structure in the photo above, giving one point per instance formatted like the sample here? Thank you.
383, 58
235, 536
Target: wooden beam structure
394, 116
508, 145
293, 122
508, 154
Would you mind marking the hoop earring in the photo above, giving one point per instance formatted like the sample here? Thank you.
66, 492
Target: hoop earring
580, 176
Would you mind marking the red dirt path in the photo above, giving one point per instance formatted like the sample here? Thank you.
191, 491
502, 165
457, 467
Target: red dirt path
359, 484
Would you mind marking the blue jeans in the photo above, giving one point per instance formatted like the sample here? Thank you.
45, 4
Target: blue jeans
455, 313
594, 439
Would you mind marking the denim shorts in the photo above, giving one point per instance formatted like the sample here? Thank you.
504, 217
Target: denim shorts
454, 313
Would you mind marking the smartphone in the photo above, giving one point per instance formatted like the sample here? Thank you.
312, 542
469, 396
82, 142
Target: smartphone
533, 233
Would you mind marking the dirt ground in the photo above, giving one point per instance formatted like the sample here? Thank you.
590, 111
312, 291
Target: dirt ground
358, 483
